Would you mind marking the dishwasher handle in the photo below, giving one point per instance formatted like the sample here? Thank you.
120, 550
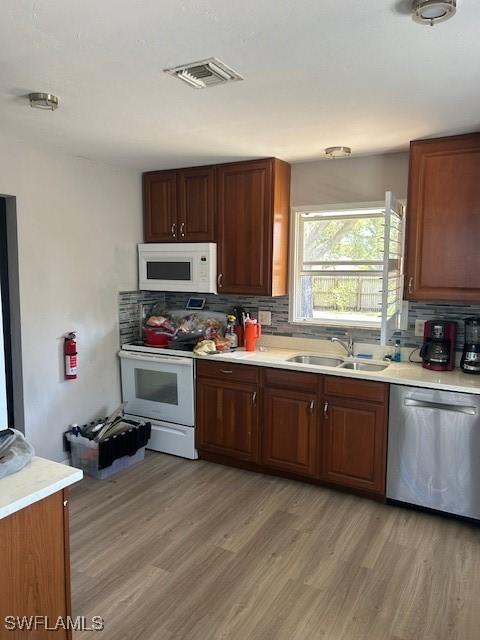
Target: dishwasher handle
426, 404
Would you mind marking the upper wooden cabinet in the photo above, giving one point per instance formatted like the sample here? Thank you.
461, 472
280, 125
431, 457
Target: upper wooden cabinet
253, 200
443, 220
160, 206
179, 206
242, 206
196, 204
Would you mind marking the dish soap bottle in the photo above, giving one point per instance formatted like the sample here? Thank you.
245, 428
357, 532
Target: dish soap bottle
230, 334
397, 354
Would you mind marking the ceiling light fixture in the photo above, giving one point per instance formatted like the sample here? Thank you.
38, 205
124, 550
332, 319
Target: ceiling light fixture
338, 152
432, 11
46, 101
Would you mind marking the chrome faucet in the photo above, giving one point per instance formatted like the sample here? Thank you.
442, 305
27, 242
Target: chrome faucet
348, 346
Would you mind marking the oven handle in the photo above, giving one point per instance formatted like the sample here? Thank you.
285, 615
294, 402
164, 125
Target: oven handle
177, 360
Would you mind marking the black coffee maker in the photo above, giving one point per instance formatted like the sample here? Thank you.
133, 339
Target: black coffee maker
470, 361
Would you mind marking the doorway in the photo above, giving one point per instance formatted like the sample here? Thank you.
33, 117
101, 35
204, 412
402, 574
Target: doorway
11, 390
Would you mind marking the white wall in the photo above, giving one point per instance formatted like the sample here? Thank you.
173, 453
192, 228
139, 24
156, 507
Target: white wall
363, 179
78, 225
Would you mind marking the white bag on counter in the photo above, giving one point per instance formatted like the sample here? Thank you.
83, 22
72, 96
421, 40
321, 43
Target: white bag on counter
15, 452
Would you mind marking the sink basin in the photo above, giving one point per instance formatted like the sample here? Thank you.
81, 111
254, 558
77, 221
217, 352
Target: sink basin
363, 366
321, 361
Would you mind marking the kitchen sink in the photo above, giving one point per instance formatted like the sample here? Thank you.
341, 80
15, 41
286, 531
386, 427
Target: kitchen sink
322, 361
363, 366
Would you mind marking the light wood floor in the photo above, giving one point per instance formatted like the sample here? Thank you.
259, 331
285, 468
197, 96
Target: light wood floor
174, 549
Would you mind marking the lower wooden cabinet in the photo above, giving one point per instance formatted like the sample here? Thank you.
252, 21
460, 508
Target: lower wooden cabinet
289, 430
227, 418
352, 444
35, 566
332, 429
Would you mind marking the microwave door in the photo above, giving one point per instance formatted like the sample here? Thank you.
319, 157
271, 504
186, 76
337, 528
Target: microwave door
160, 389
167, 273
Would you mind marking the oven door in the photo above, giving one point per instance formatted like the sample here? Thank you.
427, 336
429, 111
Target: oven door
158, 387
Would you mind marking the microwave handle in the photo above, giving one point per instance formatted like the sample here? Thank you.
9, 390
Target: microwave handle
188, 362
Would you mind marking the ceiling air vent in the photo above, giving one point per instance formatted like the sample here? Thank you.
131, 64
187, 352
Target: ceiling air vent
205, 73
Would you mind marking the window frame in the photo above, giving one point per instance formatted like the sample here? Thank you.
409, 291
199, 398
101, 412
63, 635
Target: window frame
296, 262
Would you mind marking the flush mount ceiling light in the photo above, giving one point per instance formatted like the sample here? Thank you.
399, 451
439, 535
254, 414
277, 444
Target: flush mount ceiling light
432, 11
45, 101
338, 152
204, 73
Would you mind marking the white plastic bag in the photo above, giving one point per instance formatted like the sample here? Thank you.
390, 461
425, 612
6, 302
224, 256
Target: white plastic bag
15, 452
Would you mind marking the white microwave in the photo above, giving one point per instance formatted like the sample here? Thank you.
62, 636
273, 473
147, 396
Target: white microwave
186, 266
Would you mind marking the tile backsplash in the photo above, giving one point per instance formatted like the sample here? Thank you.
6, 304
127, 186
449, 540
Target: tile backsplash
129, 311
129, 302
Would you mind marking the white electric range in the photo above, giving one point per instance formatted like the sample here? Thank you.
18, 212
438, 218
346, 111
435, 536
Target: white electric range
159, 384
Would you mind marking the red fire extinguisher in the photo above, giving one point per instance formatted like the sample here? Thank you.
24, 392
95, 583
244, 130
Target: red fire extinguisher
70, 353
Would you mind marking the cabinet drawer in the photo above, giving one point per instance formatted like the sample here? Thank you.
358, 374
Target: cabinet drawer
295, 380
227, 371
358, 389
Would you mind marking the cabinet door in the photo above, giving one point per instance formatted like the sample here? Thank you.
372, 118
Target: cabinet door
35, 558
245, 227
443, 220
196, 200
160, 206
289, 431
227, 419
353, 441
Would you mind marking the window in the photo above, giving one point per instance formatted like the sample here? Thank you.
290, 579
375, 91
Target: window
348, 266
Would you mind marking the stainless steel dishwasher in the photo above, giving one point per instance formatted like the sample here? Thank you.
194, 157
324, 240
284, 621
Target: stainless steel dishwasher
434, 449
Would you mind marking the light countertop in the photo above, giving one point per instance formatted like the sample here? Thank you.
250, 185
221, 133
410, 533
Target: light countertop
405, 373
36, 481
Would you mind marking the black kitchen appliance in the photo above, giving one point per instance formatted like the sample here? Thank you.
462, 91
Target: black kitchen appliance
470, 361
438, 349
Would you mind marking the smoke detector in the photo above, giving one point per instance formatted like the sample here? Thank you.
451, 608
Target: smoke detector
338, 152
432, 11
45, 101
205, 73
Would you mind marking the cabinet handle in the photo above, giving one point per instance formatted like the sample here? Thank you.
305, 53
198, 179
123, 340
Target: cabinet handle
410, 285
312, 406
65, 502
174, 230
254, 399
226, 371
220, 280
325, 410
182, 229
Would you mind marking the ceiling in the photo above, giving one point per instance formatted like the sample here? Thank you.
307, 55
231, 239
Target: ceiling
317, 73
